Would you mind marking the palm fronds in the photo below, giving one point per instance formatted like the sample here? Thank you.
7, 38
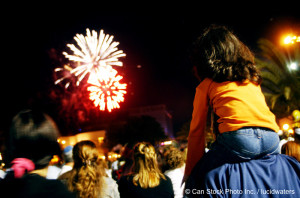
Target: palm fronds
281, 85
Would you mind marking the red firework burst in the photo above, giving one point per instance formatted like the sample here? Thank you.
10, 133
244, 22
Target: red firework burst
106, 91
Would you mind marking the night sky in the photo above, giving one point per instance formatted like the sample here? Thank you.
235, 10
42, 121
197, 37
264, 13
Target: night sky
156, 67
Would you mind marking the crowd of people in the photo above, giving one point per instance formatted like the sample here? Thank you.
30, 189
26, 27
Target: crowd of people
244, 159
33, 142
155, 170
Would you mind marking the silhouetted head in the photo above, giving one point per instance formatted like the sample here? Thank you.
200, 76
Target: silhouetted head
33, 135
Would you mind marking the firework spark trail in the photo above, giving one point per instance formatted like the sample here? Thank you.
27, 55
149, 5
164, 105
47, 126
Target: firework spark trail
67, 74
106, 91
92, 52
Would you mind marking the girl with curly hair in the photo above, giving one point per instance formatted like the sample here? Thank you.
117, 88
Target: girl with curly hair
229, 86
88, 178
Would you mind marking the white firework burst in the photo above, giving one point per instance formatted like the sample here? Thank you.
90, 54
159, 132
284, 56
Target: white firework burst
92, 51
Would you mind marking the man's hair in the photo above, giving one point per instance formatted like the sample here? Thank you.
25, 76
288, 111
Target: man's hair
33, 135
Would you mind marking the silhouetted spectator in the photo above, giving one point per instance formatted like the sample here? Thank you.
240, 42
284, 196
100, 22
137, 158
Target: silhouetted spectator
31, 144
175, 170
68, 160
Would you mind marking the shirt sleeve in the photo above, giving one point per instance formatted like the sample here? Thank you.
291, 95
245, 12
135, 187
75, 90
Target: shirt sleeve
196, 139
115, 191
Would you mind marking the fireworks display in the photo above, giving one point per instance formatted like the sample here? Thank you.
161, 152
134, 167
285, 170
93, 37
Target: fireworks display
93, 57
92, 52
106, 91
67, 74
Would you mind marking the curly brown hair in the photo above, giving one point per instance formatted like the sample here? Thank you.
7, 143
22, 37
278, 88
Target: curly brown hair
218, 54
174, 158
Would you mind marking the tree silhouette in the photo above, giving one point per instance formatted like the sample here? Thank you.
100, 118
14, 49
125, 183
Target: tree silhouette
280, 83
133, 130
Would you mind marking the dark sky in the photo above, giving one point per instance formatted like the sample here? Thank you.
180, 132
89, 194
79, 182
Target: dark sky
158, 41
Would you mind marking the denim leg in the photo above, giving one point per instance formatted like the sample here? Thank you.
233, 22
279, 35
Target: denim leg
270, 143
250, 143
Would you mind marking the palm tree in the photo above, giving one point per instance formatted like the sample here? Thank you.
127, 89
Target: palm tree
281, 84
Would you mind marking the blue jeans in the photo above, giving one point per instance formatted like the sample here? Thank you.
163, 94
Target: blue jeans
250, 142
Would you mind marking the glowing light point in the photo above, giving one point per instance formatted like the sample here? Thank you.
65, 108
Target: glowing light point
291, 39
288, 40
285, 127
293, 66
291, 131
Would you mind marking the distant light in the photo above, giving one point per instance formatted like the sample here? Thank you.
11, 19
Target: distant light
55, 159
100, 140
291, 131
139, 66
291, 39
288, 40
63, 142
285, 127
102, 157
293, 66
166, 143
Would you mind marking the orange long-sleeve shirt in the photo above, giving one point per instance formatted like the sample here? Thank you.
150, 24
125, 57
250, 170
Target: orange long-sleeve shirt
236, 104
